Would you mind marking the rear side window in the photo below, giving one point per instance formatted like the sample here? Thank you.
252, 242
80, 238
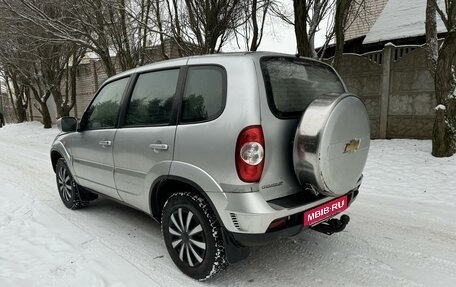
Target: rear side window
204, 94
293, 83
152, 100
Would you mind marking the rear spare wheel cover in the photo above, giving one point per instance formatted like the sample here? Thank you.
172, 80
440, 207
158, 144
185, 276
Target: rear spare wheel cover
331, 144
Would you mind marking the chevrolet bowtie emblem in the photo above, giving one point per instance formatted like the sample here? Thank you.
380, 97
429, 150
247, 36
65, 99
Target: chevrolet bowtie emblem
352, 146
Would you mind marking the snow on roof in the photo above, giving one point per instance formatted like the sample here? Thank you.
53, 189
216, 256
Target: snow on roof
401, 19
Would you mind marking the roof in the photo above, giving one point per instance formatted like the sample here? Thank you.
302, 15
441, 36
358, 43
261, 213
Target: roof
401, 19
211, 58
363, 17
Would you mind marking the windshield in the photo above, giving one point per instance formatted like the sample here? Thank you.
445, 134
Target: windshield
293, 83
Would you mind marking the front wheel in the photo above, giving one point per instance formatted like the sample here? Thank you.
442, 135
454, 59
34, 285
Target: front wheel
68, 189
193, 236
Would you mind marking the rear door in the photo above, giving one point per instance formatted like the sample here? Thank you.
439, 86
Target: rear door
290, 85
144, 143
92, 147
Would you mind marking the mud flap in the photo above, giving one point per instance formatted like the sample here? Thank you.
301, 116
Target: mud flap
233, 250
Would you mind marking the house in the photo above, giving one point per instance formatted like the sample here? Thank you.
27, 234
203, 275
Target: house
384, 62
377, 22
360, 22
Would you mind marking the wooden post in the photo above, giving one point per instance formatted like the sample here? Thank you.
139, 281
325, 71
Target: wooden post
386, 84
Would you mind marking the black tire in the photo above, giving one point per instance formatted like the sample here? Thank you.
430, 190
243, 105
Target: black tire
68, 189
196, 246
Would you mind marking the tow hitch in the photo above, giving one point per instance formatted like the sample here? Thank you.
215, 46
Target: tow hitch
333, 225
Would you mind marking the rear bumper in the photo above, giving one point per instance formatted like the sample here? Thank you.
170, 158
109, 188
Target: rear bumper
292, 226
249, 214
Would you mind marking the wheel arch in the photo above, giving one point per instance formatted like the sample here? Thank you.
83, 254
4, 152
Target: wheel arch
58, 150
165, 186
55, 155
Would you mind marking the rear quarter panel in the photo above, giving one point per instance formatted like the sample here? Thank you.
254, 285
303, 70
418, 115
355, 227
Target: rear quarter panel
210, 146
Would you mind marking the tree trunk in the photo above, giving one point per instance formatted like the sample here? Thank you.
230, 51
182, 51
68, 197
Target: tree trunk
128, 55
60, 107
302, 39
160, 30
342, 8
442, 66
43, 108
10, 93
432, 45
255, 31
21, 110
29, 100
444, 133
108, 64
73, 83
47, 121
318, 8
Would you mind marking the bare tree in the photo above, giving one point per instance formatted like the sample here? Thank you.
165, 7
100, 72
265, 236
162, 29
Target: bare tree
37, 64
259, 11
13, 62
107, 27
18, 98
442, 65
340, 22
256, 12
203, 27
301, 10
308, 14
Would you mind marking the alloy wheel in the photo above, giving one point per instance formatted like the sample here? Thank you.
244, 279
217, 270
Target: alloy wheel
188, 239
64, 183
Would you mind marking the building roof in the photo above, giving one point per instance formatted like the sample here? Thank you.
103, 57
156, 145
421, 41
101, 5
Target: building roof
401, 19
362, 17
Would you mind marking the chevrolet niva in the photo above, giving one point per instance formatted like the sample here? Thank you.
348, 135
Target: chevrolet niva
226, 151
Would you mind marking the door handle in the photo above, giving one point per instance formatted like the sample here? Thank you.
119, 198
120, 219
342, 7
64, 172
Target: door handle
105, 143
159, 146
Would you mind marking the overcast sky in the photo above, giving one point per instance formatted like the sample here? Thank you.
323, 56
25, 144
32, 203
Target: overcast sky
279, 36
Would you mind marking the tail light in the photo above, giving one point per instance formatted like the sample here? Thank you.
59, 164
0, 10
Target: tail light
250, 154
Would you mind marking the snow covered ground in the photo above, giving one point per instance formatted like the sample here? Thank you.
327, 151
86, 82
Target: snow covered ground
402, 230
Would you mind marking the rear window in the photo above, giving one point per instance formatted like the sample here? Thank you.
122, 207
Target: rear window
293, 83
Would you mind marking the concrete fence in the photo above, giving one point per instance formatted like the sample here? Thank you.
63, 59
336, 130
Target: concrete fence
396, 87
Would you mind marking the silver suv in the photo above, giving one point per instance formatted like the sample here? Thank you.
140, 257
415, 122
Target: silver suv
225, 151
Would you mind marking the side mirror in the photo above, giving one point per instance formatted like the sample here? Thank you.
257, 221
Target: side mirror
67, 124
